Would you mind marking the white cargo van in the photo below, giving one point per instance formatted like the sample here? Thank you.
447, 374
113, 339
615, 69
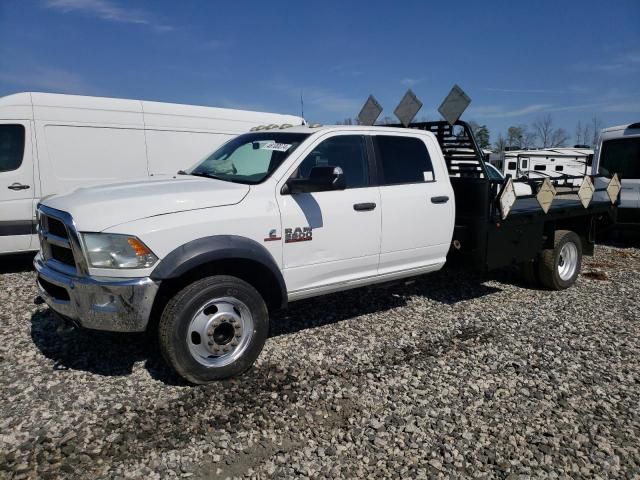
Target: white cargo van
619, 152
51, 143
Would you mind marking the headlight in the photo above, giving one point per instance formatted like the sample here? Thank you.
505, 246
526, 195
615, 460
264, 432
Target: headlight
107, 250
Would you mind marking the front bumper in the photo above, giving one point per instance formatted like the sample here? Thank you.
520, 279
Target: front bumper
117, 305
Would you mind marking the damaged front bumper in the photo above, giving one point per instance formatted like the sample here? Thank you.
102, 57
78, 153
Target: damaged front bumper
112, 304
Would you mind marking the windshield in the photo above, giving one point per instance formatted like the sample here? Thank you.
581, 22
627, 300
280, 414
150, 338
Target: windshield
621, 156
249, 158
493, 172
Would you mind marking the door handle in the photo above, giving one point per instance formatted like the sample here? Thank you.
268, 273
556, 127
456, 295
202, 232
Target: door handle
363, 207
18, 186
440, 199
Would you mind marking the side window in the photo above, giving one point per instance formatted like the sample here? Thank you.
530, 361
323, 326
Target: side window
512, 166
347, 152
524, 164
403, 160
11, 147
540, 168
559, 168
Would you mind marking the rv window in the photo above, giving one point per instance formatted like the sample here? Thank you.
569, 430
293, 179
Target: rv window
524, 164
511, 166
559, 168
539, 167
11, 147
621, 156
404, 160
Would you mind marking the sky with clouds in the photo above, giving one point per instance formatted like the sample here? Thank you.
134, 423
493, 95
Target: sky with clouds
516, 60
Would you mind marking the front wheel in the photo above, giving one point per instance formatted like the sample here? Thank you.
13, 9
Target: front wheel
214, 328
559, 266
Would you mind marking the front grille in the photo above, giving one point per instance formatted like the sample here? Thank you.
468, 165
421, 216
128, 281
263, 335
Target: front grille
63, 255
56, 238
57, 228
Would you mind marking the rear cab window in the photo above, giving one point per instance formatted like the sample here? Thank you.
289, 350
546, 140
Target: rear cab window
12, 139
403, 160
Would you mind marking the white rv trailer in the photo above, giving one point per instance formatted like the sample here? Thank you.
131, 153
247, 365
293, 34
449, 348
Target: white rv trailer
51, 143
619, 153
548, 162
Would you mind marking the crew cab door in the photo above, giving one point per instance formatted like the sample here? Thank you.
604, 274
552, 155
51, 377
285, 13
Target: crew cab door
418, 208
17, 186
331, 237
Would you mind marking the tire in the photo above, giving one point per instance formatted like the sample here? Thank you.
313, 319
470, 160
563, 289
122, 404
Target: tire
559, 266
529, 273
213, 329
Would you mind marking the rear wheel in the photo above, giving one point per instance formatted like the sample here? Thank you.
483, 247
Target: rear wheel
214, 328
559, 266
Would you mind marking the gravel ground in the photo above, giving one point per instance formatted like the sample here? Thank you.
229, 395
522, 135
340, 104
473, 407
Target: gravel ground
449, 376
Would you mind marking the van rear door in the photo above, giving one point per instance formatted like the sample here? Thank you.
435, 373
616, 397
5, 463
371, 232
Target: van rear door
17, 186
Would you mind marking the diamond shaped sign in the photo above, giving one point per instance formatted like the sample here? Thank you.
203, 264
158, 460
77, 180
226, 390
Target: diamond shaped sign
507, 198
585, 192
452, 107
370, 112
546, 194
613, 189
407, 108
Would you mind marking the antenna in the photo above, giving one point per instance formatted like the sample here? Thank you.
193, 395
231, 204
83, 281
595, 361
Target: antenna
301, 106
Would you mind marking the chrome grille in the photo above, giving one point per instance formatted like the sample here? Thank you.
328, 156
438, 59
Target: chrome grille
56, 240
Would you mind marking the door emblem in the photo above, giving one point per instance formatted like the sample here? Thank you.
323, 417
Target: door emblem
273, 236
298, 234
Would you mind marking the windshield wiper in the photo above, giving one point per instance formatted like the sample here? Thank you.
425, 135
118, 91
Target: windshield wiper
215, 177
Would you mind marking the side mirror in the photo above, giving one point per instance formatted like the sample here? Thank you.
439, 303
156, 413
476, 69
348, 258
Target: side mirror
321, 179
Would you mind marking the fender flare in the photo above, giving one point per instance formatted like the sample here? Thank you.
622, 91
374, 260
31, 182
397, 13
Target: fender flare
217, 247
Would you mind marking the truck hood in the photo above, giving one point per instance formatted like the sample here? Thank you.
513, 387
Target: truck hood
96, 208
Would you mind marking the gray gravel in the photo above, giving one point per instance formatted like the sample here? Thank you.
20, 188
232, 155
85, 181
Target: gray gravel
449, 376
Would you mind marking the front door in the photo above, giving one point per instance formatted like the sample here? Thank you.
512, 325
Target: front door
331, 238
17, 186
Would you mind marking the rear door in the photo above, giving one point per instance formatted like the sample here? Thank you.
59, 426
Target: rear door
416, 197
17, 186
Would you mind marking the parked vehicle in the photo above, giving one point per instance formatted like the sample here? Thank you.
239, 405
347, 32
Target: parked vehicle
619, 152
53, 143
521, 189
279, 215
554, 163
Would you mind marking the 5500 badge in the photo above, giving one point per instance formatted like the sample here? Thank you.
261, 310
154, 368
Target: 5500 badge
298, 234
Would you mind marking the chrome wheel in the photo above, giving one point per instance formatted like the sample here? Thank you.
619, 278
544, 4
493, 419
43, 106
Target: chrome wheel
220, 332
568, 261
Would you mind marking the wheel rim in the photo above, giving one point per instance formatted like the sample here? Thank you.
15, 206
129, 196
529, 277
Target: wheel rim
220, 332
568, 261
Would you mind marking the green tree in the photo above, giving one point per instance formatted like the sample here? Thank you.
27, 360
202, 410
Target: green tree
482, 134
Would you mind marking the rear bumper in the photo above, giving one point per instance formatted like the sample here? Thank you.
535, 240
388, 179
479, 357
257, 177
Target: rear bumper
114, 304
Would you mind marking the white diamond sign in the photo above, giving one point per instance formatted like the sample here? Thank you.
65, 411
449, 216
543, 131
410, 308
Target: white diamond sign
407, 108
370, 112
452, 107
585, 192
546, 194
507, 198
613, 189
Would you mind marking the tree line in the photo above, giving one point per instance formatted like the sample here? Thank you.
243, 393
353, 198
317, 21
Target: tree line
542, 133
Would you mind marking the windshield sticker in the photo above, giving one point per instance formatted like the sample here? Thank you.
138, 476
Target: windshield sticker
278, 147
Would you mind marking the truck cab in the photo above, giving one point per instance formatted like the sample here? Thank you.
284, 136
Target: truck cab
276, 215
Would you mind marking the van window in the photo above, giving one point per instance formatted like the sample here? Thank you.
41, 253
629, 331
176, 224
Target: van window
404, 160
621, 156
11, 147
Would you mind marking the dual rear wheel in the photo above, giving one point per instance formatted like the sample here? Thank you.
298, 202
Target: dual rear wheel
556, 268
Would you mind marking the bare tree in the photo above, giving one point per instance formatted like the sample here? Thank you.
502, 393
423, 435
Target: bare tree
549, 135
500, 143
579, 131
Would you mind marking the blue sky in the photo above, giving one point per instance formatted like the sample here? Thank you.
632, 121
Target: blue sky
517, 60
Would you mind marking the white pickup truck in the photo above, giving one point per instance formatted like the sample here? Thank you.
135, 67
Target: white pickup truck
282, 214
